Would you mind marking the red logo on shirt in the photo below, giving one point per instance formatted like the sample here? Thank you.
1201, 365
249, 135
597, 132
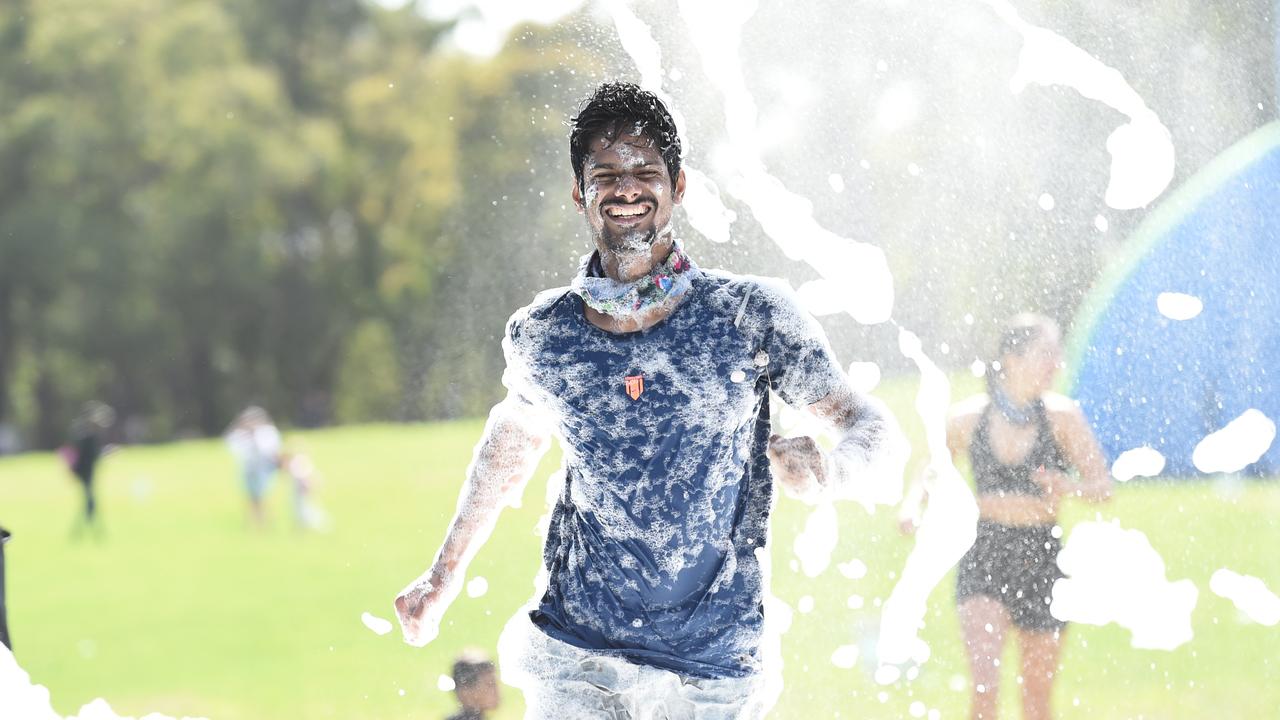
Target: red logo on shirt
635, 386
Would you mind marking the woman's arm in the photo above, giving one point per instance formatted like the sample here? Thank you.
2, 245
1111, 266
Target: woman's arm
1076, 439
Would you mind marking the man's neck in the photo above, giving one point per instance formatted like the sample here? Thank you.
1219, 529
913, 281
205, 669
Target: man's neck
629, 267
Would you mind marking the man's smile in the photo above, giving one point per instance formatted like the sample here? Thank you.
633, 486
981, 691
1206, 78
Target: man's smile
627, 214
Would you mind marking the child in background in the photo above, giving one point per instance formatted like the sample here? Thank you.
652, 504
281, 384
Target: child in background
475, 682
307, 514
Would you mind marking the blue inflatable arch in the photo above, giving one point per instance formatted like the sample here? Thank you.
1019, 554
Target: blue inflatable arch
1143, 379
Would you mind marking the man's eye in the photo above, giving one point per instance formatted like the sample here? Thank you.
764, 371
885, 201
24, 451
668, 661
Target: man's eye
605, 179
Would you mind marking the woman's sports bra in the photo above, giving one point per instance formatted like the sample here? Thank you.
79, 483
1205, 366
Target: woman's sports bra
994, 477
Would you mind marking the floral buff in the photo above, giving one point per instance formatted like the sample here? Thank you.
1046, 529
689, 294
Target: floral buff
668, 280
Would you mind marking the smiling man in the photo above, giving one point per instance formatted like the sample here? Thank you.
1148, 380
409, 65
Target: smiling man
655, 375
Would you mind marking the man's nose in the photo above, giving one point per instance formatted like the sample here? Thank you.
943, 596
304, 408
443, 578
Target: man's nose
628, 188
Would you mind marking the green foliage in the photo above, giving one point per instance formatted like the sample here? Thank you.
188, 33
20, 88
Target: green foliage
205, 205
368, 386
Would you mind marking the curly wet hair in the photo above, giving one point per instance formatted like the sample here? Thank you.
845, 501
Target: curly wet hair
615, 105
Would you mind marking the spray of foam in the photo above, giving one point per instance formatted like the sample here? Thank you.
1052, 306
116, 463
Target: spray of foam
1238, 445
855, 276
1249, 594
814, 544
21, 698
1138, 462
378, 625
1141, 150
1178, 306
1114, 575
947, 528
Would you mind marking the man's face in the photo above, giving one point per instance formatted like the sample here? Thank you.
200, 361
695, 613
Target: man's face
627, 195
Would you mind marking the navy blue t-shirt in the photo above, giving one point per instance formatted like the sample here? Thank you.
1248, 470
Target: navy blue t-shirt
651, 550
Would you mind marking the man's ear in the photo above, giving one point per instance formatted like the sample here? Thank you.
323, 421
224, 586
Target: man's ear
678, 195
576, 194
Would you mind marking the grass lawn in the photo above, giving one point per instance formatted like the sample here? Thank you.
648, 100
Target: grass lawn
181, 609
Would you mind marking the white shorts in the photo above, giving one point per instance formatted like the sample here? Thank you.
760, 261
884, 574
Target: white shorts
564, 682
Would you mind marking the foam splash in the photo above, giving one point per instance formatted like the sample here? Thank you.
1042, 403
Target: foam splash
1237, 446
814, 544
859, 270
1250, 595
21, 698
1115, 575
1138, 462
1179, 306
376, 624
444, 683
947, 528
1142, 154
477, 586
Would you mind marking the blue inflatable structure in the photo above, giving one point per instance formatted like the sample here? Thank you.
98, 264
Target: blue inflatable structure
1145, 379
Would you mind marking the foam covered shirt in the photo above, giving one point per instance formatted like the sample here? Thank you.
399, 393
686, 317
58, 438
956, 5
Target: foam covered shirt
651, 549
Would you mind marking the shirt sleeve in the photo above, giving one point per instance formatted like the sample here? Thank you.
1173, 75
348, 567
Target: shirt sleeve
517, 377
802, 369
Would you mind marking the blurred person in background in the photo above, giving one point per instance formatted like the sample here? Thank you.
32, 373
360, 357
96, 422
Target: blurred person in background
1022, 441
307, 514
255, 443
475, 682
82, 453
656, 376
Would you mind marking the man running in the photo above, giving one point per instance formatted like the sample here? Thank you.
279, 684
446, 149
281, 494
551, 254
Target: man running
655, 376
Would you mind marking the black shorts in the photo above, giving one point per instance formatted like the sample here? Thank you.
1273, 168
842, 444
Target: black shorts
1016, 565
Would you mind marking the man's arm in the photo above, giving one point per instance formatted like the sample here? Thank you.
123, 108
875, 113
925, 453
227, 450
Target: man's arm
866, 464
504, 459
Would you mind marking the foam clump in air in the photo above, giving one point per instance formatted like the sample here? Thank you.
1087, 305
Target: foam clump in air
1115, 575
1138, 462
22, 699
477, 586
1237, 446
1250, 595
375, 623
1179, 306
947, 527
845, 657
814, 544
864, 376
704, 208
1142, 152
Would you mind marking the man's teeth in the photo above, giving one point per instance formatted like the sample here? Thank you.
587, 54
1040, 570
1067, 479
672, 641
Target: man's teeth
626, 212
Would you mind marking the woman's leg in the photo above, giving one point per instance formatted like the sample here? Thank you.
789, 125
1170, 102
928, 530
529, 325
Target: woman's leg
983, 622
1040, 652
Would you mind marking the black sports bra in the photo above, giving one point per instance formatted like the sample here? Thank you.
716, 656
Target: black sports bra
994, 477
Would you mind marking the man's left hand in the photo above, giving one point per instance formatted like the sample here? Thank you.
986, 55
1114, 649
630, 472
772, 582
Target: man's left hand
799, 464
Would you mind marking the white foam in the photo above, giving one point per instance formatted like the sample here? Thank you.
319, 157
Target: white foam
948, 525
1046, 202
836, 181
1138, 462
1142, 153
21, 699
375, 623
814, 544
1238, 445
805, 605
477, 586
845, 657
1250, 595
444, 683
1179, 306
864, 376
1100, 224
1115, 575
855, 569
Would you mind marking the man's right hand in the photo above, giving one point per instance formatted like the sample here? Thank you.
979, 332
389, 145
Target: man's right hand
418, 610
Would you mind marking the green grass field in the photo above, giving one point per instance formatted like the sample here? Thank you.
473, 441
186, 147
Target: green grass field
182, 609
